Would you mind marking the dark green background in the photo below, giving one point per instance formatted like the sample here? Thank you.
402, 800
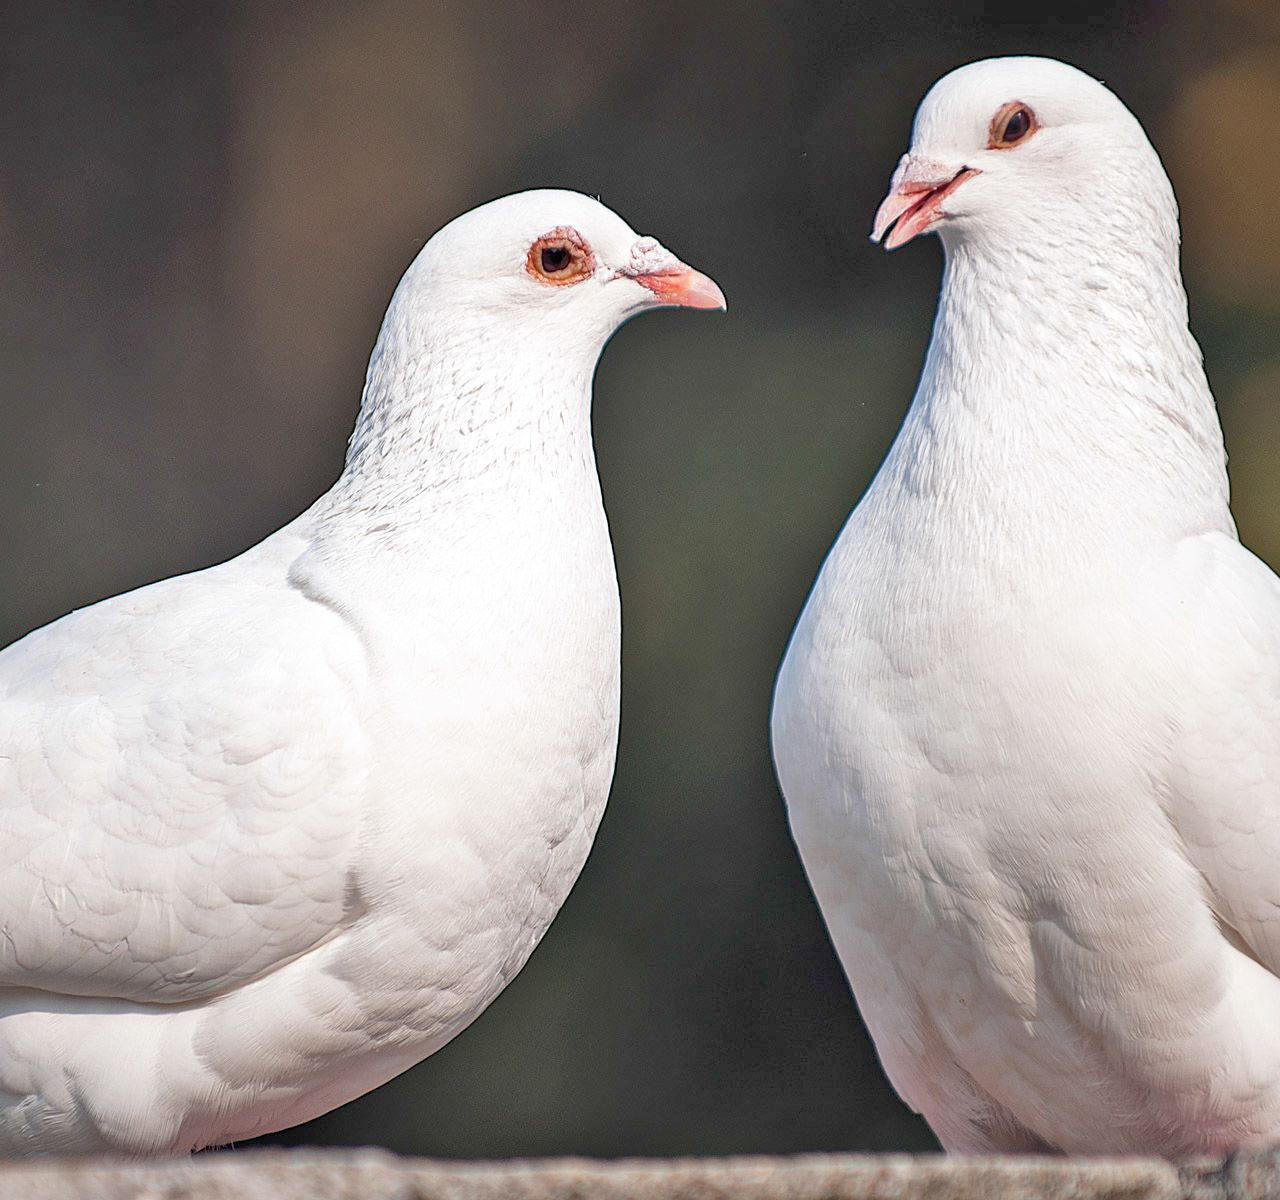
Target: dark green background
203, 209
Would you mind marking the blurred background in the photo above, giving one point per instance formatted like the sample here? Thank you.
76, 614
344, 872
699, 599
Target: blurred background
203, 211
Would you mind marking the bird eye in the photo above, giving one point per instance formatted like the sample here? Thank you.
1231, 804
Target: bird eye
1013, 124
560, 257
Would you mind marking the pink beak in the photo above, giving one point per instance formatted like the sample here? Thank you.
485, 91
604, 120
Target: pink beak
914, 202
683, 286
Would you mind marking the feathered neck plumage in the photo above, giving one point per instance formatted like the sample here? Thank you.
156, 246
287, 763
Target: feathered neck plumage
452, 409
1062, 383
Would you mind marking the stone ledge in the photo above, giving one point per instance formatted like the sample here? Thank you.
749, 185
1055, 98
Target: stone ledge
377, 1175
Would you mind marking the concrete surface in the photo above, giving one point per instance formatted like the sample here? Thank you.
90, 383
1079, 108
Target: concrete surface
376, 1175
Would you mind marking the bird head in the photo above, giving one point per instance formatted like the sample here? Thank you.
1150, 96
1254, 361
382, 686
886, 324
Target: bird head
1013, 151
552, 266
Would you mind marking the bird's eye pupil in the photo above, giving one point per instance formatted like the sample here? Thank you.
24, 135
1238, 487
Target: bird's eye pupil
555, 258
1019, 123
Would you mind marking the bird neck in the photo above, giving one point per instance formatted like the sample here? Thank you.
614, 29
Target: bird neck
458, 418
1063, 394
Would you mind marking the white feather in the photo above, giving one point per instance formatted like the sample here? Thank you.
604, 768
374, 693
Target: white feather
272, 832
1028, 726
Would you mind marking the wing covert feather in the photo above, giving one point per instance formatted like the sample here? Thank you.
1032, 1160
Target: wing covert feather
1224, 782
181, 776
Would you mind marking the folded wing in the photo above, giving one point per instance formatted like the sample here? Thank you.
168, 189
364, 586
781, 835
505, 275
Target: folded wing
181, 777
1224, 786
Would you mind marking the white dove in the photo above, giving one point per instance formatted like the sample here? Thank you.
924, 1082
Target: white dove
273, 832
1028, 726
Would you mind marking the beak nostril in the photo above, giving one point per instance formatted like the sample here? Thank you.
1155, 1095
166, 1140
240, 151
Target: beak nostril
651, 257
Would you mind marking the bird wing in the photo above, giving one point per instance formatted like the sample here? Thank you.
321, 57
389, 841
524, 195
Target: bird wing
1224, 783
181, 773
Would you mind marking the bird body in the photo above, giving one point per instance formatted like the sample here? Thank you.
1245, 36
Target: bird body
1028, 726
277, 830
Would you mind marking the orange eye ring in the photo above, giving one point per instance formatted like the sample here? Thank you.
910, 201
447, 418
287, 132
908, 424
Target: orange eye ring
1011, 126
560, 258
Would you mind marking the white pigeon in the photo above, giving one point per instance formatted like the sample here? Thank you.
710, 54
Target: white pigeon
1028, 726
273, 832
